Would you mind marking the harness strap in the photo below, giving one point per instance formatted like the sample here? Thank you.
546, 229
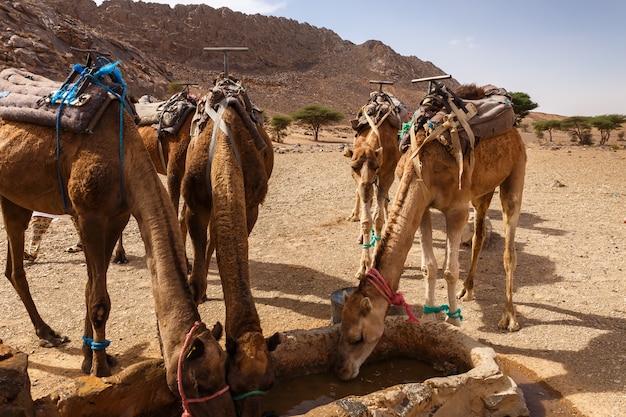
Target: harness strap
218, 124
392, 297
186, 401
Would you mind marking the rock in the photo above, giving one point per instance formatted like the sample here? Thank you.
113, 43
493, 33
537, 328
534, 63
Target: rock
15, 398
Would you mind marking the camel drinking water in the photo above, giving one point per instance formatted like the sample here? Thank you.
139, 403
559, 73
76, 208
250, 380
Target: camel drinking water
229, 162
436, 175
101, 177
374, 158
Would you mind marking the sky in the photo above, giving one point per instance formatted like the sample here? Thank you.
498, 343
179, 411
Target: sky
569, 57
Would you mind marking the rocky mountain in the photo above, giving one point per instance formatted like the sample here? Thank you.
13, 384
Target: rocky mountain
288, 64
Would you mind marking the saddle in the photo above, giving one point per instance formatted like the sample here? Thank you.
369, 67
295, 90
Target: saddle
168, 116
228, 92
75, 105
493, 116
381, 106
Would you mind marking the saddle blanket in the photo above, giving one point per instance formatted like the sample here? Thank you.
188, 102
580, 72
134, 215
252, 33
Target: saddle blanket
23, 99
165, 116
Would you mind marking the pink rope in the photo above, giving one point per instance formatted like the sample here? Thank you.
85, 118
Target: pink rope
186, 401
392, 297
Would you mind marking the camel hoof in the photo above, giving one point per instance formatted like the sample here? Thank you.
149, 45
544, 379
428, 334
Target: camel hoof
465, 295
54, 340
454, 322
508, 323
120, 260
76, 248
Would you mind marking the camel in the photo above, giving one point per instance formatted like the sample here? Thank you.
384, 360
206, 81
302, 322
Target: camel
229, 162
168, 152
101, 186
431, 178
374, 158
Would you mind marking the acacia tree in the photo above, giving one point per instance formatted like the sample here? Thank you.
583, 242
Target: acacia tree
522, 105
606, 124
278, 124
579, 129
316, 116
546, 126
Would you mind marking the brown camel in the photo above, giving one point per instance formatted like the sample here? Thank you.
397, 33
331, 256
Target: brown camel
168, 152
374, 158
430, 179
228, 166
101, 189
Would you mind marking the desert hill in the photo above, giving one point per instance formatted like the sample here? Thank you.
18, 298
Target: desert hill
288, 63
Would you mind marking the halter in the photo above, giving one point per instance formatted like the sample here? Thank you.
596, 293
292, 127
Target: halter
186, 401
392, 297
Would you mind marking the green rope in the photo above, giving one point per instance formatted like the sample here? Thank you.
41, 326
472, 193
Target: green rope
433, 309
373, 240
456, 314
444, 307
248, 394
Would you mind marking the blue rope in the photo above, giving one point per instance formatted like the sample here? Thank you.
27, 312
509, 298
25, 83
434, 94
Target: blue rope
373, 240
89, 342
65, 95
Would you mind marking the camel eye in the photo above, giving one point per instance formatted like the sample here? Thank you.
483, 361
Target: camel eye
358, 341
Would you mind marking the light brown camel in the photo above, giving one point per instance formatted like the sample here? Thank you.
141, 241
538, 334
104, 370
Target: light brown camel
228, 166
374, 157
430, 179
168, 153
101, 189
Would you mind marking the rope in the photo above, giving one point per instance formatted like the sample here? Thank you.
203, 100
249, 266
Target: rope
373, 240
186, 401
89, 342
375, 183
248, 394
453, 315
392, 297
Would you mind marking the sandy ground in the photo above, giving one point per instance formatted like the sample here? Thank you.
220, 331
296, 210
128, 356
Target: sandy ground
570, 286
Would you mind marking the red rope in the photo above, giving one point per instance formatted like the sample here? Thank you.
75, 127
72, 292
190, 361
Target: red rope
392, 297
186, 401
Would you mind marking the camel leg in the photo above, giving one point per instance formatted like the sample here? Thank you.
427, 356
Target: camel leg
120, 253
197, 227
16, 221
511, 199
366, 228
429, 263
354, 217
456, 218
481, 205
98, 238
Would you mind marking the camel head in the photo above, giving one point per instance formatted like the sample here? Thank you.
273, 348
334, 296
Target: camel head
362, 326
365, 163
202, 373
250, 373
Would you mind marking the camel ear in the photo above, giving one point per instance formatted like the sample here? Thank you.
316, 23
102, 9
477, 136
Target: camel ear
231, 345
217, 331
195, 350
273, 341
345, 296
348, 153
366, 305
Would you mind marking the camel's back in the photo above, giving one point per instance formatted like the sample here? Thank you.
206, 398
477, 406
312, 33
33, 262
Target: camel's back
496, 159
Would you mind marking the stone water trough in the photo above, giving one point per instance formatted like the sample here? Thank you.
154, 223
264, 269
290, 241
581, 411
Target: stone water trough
479, 389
